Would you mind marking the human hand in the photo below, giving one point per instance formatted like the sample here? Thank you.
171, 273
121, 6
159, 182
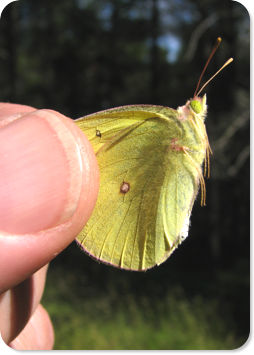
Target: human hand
48, 187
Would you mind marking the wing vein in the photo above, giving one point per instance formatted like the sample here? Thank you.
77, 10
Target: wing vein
139, 210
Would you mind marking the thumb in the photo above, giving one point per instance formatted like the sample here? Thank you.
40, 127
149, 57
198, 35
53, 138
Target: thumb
48, 188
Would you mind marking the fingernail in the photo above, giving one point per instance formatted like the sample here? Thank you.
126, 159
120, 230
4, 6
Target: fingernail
40, 173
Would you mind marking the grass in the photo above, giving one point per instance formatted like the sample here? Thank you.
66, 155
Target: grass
109, 321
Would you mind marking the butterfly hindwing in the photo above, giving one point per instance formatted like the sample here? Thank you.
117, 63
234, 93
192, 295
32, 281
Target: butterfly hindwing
146, 187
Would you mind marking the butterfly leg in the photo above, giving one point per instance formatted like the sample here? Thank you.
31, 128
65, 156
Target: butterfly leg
206, 141
179, 148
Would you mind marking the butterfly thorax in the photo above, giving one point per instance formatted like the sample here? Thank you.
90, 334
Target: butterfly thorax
192, 116
196, 144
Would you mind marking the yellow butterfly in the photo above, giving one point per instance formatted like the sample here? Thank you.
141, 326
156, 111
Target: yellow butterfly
150, 159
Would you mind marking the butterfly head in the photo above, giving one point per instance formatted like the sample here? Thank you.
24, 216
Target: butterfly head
198, 106
195, 107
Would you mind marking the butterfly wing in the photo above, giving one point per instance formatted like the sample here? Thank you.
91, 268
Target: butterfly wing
139, 226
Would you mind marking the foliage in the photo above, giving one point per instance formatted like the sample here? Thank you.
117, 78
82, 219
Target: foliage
107, 322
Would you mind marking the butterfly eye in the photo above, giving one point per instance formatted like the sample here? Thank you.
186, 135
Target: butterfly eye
196, 106
98, 133
125, 187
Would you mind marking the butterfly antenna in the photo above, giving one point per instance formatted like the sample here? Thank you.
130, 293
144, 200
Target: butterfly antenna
230, 60
218, 41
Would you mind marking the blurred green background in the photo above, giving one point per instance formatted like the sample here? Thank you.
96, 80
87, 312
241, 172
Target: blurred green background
81, 56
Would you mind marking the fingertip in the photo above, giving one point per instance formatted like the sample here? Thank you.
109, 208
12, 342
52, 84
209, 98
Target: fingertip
8, 109
90, 168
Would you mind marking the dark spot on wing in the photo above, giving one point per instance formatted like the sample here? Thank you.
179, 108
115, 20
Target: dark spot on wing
125, 187
98, 133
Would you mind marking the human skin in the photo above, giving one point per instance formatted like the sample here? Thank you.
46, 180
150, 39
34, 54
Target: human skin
49, 182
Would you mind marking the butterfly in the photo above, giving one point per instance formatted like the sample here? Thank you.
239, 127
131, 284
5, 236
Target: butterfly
151, 167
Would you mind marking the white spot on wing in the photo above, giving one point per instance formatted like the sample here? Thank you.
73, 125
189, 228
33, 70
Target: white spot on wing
185, 230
